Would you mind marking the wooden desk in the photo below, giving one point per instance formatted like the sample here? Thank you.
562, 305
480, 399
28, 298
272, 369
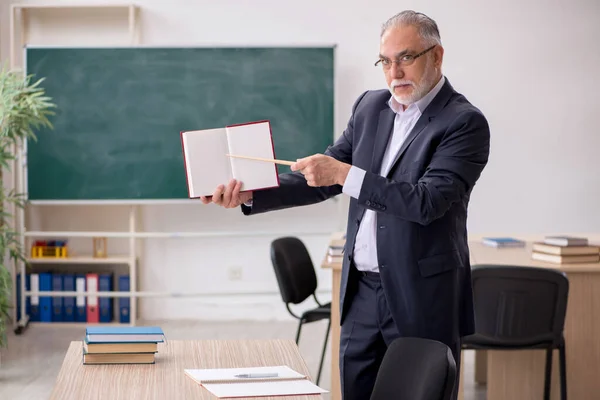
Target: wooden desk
336, 271
165, 379
520, 375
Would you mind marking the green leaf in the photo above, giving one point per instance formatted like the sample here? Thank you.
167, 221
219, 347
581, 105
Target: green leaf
24, 109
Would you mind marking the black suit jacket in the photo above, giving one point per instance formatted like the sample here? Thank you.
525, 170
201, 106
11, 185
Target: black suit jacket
421, 208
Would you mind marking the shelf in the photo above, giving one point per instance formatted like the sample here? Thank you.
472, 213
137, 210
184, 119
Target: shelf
72, 5
76, 324
19, 24
79, 260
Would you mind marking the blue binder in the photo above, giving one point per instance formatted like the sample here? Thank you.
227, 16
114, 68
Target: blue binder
69, 302
57, 301
105, 308
45, 301
124, 301
35, 313
27, 299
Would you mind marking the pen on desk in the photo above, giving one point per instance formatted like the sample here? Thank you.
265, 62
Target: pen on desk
258, 375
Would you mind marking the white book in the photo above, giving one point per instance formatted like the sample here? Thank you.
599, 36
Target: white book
224, 383
207, 164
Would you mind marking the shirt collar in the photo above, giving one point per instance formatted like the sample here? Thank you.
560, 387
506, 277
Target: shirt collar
422, 103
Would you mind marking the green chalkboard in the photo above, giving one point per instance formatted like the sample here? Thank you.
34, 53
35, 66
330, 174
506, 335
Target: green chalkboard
120, 110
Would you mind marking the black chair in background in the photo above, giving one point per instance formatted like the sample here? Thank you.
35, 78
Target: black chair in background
415, 369
297, 281
518, 307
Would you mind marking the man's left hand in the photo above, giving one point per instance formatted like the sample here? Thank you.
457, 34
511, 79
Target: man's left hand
322, 170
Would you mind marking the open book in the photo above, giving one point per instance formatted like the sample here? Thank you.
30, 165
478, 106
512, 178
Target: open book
207, 164
223, 383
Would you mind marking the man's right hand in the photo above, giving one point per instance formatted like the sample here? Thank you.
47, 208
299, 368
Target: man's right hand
228, 196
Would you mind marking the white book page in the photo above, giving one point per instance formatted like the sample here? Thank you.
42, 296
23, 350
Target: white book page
206, 163
252, 140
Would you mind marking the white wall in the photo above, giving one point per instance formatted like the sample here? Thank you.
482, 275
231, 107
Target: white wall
531, 66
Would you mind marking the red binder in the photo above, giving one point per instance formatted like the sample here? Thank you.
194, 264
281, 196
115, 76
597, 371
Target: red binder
93, 314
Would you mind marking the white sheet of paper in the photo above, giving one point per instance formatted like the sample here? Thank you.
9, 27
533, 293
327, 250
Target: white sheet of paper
249, 389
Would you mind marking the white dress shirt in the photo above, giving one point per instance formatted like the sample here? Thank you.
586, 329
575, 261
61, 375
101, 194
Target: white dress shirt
365, 247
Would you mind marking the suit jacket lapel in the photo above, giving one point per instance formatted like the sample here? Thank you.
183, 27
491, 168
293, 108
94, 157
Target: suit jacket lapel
434, 108
384, 132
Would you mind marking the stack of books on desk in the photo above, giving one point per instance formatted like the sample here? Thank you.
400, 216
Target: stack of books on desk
565, 250
335, 252
121, 345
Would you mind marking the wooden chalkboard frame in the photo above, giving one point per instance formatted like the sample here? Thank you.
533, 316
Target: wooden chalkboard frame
24, 176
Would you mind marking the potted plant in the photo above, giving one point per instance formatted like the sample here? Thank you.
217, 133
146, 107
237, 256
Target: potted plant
23, 108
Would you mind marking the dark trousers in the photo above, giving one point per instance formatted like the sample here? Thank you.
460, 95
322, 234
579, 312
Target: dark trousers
366, 332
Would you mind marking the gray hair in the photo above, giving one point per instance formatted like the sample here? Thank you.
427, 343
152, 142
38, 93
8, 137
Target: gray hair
427, 27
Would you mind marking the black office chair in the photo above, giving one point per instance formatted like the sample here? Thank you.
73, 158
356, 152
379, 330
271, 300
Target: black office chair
518, 307
297, 281
415, 369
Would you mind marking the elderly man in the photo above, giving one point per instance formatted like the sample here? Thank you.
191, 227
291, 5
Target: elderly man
409, 159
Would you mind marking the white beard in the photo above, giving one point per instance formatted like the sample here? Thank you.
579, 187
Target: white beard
419, 90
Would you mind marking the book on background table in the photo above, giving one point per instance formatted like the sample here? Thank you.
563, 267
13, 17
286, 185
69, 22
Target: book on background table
565, 250
559, 240
223, 383
124, 334
207, 164
503, 242
565, 259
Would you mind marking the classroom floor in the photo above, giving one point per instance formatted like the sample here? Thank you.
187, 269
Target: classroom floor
30, 364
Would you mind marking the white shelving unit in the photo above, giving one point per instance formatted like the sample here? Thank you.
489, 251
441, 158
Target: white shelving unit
19, 23
132, 233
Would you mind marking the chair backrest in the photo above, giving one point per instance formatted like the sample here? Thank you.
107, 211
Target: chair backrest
518, 305
294, 269
415, 369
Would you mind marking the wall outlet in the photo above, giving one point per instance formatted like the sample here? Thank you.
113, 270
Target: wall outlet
234, 273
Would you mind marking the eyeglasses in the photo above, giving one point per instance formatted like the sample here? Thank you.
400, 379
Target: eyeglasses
403, 61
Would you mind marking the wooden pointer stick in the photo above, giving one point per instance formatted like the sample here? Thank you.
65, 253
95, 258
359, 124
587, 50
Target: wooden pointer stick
282, 162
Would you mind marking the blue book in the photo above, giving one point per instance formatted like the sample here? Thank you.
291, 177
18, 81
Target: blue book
57, 302
69, 302
503, 242
124, 302
105, 303
34, 316
124, 334
18, 290
27, 299
45, 301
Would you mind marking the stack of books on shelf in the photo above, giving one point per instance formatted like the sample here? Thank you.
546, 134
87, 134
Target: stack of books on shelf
335, 252
121, 345
565, 250
80, 308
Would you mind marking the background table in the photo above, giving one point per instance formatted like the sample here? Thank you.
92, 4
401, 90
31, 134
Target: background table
520, 374
165, 379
